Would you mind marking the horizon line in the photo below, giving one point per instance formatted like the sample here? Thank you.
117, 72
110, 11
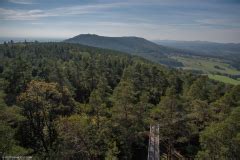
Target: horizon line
19, 39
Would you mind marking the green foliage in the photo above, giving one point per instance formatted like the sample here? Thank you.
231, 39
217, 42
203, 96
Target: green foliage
68, 101
221, 140
17, 75
169, 114
6, 139
8, 145
41, 103
112, 152
199, 115
78, 138
199, 89
75, 139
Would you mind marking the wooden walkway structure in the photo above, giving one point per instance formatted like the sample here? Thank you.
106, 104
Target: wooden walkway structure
153, 147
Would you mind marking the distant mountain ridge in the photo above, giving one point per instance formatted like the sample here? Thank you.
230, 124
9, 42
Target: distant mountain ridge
133, 45
203, 47
228, 52
126, 44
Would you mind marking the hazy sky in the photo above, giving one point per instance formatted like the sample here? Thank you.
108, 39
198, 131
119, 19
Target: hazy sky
211, 20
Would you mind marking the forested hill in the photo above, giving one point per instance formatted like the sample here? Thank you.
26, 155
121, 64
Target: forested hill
69, 101
125, 44
133, 45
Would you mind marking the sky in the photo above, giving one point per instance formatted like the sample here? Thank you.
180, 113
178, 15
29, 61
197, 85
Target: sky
189, 20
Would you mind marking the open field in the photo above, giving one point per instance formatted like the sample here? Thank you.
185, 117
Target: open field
215, 68
224, 79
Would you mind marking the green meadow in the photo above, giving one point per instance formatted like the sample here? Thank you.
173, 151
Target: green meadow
224, 79
214, 68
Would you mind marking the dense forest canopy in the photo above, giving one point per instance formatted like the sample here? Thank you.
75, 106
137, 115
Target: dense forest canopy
69, 101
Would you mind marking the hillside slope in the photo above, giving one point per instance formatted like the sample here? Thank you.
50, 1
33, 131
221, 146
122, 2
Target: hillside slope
172, 53
126, 44
133, 45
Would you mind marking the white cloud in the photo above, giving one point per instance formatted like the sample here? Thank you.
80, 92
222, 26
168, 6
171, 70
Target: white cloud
21, 1
218, 21
9, 14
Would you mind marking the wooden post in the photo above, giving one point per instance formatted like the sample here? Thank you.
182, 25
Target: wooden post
153, 146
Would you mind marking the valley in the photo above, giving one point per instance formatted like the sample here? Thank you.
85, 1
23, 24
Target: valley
213, 59
215, 68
